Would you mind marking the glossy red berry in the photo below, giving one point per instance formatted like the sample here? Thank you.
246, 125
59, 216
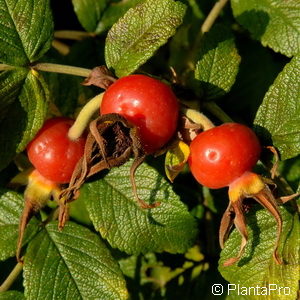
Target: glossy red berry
146, 102
222, 154
52, 153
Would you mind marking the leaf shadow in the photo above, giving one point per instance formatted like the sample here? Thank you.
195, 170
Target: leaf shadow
159, 186
264, 134
254, 241
256, 21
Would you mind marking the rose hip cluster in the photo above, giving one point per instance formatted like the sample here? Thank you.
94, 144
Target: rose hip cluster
219, 157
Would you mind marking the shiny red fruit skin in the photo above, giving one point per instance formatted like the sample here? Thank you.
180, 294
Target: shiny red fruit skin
52, 153
222, 154
147, 103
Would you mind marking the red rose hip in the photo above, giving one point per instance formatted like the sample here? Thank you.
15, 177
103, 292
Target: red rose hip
222, 154
146, 102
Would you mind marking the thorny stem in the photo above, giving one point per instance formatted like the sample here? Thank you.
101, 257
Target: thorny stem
198, 118
11, 277
72, 35
63, 69
84, 117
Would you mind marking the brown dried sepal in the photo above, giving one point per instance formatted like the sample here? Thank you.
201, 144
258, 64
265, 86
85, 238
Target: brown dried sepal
38, 191
188, 129
111, 141
101, 77
249, 185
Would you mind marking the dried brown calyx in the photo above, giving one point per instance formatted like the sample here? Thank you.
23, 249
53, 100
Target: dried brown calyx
101, 77
111, 141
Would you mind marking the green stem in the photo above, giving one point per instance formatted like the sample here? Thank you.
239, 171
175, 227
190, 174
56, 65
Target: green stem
206, 26
11, 277
212, 16
215, 109
72, 35
4, 67
63, 69
198, 118
84, 117
61, 47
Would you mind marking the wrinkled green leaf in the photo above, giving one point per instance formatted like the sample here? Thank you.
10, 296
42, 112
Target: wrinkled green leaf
218, 62
26, 30
275, 23
23, 118
257, 267
89, 12
279, 115
140, 32
125, 225
113, 12
290, 169
12, 295
34, 98
10, 84
257, 71
71, 264
11, 206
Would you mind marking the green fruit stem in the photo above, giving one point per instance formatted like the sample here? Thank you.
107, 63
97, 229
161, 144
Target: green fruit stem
198, 118
11, 277
84, 117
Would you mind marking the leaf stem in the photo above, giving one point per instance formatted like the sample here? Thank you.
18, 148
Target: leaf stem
11, 277
206, 26
212, 16
4, 67
63, 69
73, 35
84, 117
217, 111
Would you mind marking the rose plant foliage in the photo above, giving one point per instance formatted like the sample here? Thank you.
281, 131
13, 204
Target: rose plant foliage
129, 220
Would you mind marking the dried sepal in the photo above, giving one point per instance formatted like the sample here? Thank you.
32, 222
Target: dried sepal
111, 141
274, 169
226, 225
38, 191
100, 77
249, 185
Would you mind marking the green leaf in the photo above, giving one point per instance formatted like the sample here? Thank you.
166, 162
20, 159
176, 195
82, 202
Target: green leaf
275, 23
71, 264
218, 62
26, 30
290, 170
33, 88
89, 12
23, 118
279, 115
10, 84
11, 206
257, 267
125, 225
140, 32
113, 12
12, 295
257, 71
